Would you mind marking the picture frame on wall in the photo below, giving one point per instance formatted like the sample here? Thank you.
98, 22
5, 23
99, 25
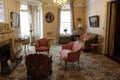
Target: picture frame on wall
49, 17
15, 19
94, 21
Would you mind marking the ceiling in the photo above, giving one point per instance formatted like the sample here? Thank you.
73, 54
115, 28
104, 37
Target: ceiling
51, 2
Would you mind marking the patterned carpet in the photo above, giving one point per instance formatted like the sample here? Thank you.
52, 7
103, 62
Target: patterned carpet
93, 66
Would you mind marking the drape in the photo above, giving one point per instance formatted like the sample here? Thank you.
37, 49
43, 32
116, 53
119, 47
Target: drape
58, 32
72, 15
111, 31
36, 21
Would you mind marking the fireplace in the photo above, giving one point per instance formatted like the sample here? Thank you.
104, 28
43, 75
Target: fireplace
5, 56
7, 62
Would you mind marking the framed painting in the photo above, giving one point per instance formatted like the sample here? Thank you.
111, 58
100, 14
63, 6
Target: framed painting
15, 19
49, 17
94, 21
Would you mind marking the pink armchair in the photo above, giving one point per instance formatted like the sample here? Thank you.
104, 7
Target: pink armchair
71, 52
42, 45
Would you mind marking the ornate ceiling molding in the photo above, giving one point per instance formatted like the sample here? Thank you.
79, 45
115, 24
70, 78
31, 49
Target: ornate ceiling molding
29, 2
76, 2
51, 2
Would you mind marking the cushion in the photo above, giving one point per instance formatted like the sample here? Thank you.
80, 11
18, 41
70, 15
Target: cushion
44, 42
42, 48
64, 53
76, 46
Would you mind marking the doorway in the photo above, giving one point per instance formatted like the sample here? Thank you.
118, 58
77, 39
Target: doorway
113, 49
117, 31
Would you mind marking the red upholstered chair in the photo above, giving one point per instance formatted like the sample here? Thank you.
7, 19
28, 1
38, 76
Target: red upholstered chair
38, 66
42, 45
71, 52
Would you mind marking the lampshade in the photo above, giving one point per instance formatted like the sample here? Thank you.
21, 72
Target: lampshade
80, 26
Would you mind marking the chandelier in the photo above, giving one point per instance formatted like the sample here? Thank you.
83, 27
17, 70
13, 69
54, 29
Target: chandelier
76, 2
59, 2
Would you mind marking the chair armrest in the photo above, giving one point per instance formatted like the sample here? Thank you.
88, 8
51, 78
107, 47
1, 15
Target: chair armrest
75, 52
36, 44
49, 44
67, 46
74, 56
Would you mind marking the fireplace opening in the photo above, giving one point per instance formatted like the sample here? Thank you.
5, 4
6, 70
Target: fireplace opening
7, 63
5, 55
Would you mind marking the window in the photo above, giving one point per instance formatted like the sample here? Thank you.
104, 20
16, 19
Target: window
2, 15
23, 7
65, 20
24, 20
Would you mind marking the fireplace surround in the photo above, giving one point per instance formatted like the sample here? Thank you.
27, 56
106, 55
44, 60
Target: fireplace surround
7, 64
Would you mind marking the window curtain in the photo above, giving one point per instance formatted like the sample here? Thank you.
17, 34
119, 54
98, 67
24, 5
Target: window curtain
72, 15
58, 32
36, 22
111, 31
2, 9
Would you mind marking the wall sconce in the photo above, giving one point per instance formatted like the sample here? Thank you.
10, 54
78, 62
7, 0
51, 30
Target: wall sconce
80, 25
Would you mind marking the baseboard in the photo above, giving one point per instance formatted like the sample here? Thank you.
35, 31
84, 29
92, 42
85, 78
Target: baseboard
113, 58
87, 50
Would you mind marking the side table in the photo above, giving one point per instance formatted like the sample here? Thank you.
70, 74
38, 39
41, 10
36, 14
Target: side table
93, 45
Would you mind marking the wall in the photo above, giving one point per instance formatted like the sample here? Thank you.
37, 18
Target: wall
98, 7
50, 27
79, 12
12, 6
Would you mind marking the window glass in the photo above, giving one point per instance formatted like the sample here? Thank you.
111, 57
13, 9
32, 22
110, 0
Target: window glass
23, 7
2, 16
25, 26
65, 22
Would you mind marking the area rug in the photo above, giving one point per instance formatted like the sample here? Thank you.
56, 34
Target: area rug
93, 66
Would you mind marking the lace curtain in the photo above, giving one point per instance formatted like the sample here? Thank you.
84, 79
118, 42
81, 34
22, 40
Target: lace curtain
36, 24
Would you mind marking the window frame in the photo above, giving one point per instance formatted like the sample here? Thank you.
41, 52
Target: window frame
70, 32
3, 10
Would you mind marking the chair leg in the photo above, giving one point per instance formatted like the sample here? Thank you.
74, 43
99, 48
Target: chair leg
60, 58
92, 48
65, 65
78, 63
48, 52
27, 46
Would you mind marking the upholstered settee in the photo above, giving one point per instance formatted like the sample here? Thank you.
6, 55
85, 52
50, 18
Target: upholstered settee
71, 52
91, 39
38, 66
